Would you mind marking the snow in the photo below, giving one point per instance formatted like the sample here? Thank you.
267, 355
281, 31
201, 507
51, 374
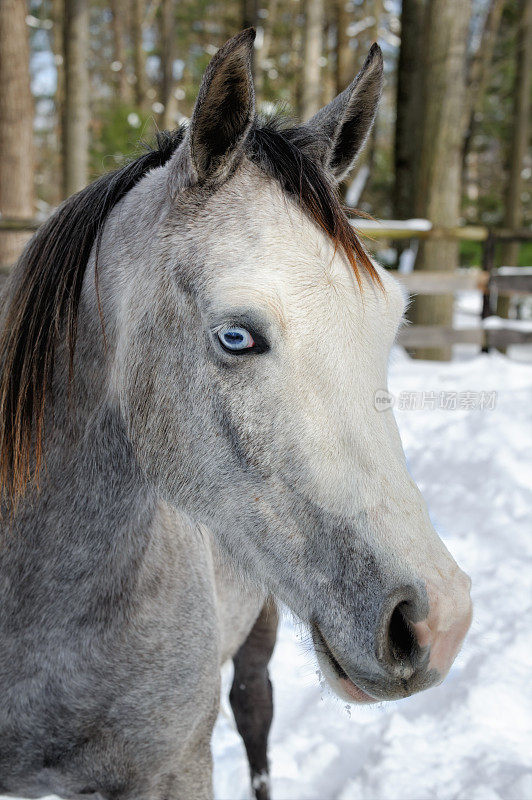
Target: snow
471, 737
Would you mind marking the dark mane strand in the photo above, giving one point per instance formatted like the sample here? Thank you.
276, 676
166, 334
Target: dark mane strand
45, 300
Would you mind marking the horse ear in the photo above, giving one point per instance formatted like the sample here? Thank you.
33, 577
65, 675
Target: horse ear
224, 110
346, 121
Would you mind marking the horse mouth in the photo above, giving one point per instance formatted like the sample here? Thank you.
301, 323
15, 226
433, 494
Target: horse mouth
336, 674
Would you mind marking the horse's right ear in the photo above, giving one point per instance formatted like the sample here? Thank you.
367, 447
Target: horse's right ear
224, 112
346, 121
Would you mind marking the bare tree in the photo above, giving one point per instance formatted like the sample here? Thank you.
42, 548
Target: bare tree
250, 13
513, 210
58, 50
249, 17
520, 128
312, 52
478, 74
139, 58
438, 189
76, 111
168, 41
409, 107
16, 126
296, 55
329, 54
344, 54
122, 86
263, 52
373, 30
479, 66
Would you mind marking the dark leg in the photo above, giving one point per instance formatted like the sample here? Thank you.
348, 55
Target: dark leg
251, 696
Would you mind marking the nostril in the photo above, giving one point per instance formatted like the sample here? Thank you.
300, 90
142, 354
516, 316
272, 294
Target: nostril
402, 642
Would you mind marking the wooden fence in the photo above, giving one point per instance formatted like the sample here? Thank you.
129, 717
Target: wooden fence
487, 279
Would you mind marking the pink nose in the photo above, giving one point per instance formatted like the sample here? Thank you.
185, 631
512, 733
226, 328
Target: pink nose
448, 621
403, 643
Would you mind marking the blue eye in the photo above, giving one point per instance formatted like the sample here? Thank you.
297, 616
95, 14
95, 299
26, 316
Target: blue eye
234, 338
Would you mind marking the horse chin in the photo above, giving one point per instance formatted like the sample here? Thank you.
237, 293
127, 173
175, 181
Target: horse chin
336, 677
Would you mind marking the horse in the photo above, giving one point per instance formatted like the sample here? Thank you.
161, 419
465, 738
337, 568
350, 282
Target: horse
190, 352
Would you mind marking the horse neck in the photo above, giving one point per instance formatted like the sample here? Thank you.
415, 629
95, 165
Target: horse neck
91, 491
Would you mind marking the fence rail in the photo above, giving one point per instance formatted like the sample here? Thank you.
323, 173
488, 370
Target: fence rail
512, 280
440, 336
17, 224
423, 229
427, 282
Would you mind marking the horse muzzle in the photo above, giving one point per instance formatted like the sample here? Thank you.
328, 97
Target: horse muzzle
412, 649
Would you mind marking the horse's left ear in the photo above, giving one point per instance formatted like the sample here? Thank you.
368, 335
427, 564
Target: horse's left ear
224, 109
346, 121
221, 120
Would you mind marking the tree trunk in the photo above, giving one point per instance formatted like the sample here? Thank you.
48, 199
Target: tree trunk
408, 122
168, 39
513, 210
345, 65
478, 74
121, 83
330, 42
250, 15
371, 146
59, 96
296, 55
76, 112
263, 53
312, 51
520, 129
16, 127
438, 190
139, 59
479, 68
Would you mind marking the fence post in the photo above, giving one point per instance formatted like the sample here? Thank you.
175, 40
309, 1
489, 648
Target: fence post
488, 265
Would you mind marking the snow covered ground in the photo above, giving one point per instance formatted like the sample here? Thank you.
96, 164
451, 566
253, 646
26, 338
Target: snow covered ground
471, 738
